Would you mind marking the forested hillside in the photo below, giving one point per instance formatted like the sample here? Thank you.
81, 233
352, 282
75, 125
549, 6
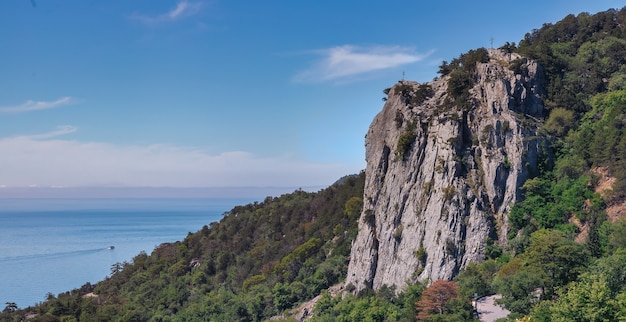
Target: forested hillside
259, 260
563, 260
567, 254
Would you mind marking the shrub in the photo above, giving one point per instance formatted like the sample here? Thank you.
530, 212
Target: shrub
448, 192
427, 186
424, 92
506, 163
386, 92
560, 122
451, 248
421, 255
399, 119
397, 235
439, 167
506, 126
406, 140
353, 207
461, 71
253, 280
369, 217
516, 66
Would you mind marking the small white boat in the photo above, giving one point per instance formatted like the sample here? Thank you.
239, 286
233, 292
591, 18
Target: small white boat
111, 247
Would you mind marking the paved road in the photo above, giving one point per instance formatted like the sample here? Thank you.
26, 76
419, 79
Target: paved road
488, 310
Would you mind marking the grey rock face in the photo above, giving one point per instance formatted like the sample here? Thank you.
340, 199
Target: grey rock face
440, 180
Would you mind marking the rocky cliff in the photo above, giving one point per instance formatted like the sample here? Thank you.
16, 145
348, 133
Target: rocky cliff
441, 178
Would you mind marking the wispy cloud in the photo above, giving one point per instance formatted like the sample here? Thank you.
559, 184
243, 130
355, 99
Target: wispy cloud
47, 160
30, 105
61, 130
347, 61
182, 10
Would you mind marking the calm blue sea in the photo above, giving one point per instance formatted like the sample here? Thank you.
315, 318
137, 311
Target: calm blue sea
56, 245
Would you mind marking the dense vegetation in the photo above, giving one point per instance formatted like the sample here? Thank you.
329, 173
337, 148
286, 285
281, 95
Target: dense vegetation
564, 260
461, 71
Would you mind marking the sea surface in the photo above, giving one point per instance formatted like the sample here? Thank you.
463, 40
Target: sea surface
56, 245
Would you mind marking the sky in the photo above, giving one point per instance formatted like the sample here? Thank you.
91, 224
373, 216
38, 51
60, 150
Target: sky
215, 93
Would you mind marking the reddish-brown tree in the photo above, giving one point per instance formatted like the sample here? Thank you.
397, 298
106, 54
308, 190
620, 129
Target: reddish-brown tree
435, 299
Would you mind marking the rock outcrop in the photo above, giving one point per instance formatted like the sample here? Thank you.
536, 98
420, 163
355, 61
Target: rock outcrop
440, 179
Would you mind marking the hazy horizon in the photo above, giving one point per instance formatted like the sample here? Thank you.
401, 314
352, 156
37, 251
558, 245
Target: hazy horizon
147, 192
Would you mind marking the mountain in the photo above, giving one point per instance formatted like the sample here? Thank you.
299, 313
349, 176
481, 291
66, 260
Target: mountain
444, 166
506, 174
448, 160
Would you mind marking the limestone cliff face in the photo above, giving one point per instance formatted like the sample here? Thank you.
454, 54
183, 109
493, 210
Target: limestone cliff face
440, 180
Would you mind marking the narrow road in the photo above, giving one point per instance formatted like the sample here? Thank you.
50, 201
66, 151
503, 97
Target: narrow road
488, 310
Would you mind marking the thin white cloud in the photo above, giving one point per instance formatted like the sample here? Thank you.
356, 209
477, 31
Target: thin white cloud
47, 160
179, 11
346, 61
61, 130
30, 105
182, 10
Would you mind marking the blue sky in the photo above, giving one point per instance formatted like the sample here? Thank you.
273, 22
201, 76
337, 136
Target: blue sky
213, 93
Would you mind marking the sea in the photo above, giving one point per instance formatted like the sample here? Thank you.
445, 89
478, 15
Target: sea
50, 246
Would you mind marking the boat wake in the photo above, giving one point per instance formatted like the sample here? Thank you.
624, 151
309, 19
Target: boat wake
57, 254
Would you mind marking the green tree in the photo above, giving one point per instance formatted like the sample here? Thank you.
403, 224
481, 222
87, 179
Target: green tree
557, 259
283, 297
560, 122
116, 268
550, 261
508, 49
353, 207
587, 300
519, 290
477, 278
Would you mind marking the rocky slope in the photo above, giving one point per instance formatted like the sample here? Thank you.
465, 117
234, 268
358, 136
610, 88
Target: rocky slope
440, 179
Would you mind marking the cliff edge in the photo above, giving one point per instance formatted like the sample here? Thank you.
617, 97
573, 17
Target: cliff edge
441, 176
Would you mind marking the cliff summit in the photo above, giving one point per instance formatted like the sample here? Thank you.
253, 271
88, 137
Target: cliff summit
444, 165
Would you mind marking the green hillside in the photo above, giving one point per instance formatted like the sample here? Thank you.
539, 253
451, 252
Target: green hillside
260, 259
